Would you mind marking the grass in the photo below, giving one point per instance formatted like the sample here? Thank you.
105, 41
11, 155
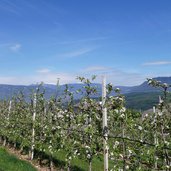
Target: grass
80, 164
9, 162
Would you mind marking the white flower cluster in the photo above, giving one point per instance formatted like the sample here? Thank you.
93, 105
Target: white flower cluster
122, 112
88, 151
115, 144
165, 85
140, 128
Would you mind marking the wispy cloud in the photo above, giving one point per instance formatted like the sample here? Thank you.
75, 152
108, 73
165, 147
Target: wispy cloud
8, 80
43, 71
51, 78
83, 40
97, 68
16, 47
123, 78
76, 53
48, 78
117, 77
9, 7
5, 44
157, 63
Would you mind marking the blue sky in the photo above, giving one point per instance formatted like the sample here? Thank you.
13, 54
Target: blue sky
42, 40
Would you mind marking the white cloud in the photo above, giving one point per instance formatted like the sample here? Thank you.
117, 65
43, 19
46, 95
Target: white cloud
51, 78
157, 63
48, 78
5, 44
117, 77
83, 40
76, 53
16, 47
9, 7
8, 80
43, 71
96, 68
122, 78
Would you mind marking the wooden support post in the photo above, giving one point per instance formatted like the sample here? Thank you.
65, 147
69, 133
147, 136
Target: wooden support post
8, 117
155, 135
105, 127
33, 128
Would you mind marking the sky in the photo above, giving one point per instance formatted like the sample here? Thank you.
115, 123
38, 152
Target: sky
43, 40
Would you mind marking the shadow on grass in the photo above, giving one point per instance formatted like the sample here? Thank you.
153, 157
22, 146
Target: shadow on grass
43, 159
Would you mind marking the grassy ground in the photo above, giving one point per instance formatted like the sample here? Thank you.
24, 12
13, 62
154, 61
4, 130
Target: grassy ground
80, 165
9, 162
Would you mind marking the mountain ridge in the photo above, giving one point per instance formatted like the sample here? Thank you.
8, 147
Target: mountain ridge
7, 91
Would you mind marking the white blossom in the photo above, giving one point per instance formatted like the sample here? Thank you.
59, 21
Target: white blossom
127, 167
140, 128
130, 151
160, 113
123, 109
88, 156
122, 115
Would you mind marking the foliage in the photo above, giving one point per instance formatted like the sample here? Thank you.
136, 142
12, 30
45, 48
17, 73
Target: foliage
136, 141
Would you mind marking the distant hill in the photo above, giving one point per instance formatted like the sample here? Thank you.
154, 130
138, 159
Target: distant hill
144, 97
144, 87
8, 91
142, 100
137, 97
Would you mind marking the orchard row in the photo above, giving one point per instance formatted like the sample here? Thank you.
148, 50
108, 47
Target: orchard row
135, 141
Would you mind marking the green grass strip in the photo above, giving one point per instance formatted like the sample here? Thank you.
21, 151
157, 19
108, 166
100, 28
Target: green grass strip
9, 162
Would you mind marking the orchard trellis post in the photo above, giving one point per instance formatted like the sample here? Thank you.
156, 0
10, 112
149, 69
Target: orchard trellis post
155, 135
9, 109
105, 127
33, 129
8, 117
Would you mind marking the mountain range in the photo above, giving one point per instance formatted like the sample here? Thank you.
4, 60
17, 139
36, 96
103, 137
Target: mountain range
141, 91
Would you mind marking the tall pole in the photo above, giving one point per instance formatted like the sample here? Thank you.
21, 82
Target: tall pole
155, 135
9, 109
105, 128
33, 129
8, 117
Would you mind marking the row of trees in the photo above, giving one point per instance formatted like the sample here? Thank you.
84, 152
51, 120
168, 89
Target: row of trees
135, 141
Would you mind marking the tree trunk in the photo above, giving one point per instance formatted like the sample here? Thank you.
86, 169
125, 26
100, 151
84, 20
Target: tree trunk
15, 145
5, 141
90, 165
69, 166
50, 163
